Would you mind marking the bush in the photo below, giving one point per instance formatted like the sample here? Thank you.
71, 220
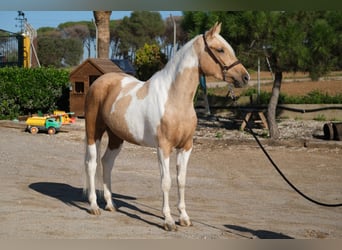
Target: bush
313, 97
149, 59
25, 91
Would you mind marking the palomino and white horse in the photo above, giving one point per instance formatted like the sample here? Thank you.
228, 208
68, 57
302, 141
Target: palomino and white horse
157, 113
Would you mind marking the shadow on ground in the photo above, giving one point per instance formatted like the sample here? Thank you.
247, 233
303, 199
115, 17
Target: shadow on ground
261, 234
73, 196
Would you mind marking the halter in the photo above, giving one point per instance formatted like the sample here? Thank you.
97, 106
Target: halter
224, 67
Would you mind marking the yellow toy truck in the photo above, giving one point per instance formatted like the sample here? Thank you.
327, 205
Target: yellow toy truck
49, 124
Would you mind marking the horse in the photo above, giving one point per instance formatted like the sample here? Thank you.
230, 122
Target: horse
157, 113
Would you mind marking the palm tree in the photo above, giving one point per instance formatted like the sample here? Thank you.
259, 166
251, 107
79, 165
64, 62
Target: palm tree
102, 19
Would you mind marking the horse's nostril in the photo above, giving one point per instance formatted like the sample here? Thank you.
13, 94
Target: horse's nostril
246, 78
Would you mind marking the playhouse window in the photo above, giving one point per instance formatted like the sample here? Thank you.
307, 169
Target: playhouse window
92, 79
79, 87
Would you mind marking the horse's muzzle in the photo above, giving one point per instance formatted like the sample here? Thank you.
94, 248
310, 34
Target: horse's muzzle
245, 79
241, 81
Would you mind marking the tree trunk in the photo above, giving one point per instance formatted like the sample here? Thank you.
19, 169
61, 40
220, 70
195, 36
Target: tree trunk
102, 19
272, 106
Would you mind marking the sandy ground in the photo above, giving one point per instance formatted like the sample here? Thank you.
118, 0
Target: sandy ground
232, 190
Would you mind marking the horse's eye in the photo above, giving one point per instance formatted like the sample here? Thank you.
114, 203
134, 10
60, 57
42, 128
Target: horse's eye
220, 50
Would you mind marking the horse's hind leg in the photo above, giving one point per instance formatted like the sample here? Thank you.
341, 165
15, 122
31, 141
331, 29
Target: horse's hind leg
94, 131
95, 126
108, 159
90, 169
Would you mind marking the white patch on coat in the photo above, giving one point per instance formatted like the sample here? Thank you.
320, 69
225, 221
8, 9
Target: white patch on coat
124, 83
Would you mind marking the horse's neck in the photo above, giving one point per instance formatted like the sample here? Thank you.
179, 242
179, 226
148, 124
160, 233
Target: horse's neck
185, 86
183, 74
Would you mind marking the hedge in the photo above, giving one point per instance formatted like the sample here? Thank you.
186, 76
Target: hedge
313, 97
25, 91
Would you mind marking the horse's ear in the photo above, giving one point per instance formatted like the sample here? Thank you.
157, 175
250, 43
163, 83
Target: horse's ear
216, 29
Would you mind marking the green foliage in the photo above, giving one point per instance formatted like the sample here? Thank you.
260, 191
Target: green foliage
25, 91
59, 52
308, 41
264, 97
195, 22
288, 51
321, 40
140, 28
149, 59
313, 97
62, 47
320, 117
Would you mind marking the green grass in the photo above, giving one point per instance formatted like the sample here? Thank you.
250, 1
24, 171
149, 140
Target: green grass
320, 117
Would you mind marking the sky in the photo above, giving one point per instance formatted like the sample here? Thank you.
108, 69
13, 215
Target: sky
39, 19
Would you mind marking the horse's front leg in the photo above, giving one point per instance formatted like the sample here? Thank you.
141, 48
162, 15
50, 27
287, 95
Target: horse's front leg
182, 162
164, 163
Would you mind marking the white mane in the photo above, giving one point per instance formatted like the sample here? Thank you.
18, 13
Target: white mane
183, 58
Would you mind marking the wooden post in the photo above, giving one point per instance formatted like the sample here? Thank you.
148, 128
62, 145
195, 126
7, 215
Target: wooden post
337, 127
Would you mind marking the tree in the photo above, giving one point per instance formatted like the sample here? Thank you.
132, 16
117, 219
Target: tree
140, 28
321, 41
102, 19
298, 41
124, 38
72, 52
55, 49
195, 22
114, 37
288, 53
334, 19
300, 44
83, 30
149, 59
168, 36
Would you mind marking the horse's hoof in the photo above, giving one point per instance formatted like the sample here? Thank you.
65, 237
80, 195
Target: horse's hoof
111, 208
185, 223
170, 227
94, 211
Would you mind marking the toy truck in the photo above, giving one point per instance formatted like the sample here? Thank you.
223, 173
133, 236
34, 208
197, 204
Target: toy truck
49, 124
67, 117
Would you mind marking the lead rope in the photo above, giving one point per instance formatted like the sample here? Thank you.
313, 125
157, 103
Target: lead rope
284, 177
230, 92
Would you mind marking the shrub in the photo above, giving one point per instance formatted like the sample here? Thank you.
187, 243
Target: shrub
313, 97
149, 59
264, 97
25, 91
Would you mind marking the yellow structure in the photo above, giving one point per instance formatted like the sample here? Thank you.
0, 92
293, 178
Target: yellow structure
27, 51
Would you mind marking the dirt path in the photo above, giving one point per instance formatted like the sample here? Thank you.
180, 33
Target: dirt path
232, 191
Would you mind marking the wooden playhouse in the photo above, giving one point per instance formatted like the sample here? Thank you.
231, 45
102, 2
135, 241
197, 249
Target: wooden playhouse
83, 76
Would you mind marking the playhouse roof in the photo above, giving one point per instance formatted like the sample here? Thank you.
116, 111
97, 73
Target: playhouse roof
102, 65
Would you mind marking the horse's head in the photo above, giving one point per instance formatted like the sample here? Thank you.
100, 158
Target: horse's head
218, 59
